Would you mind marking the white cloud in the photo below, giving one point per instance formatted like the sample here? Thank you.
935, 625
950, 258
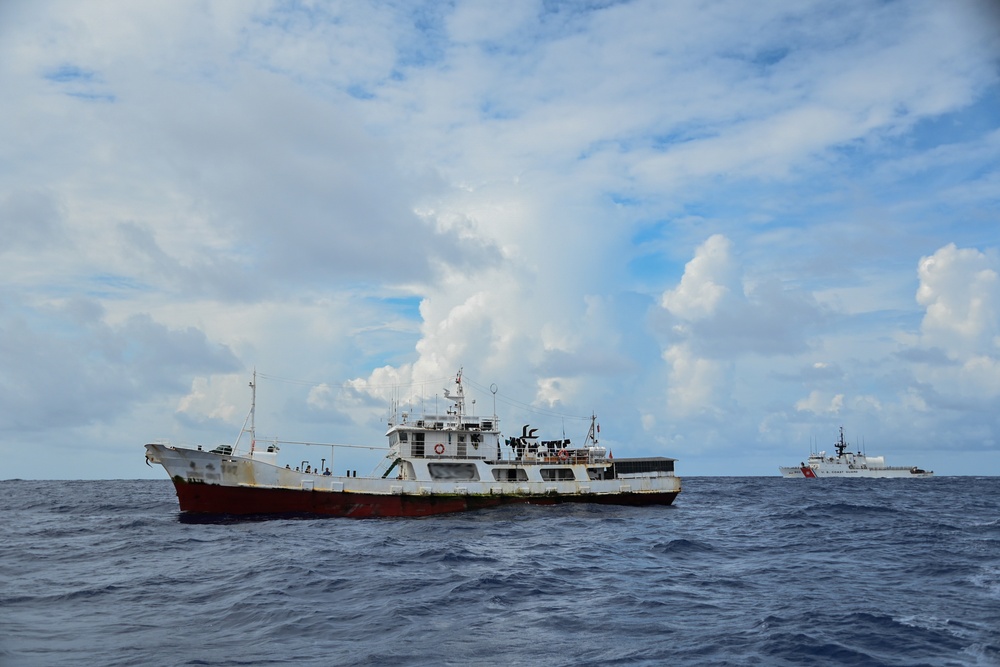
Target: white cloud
697, 386
217, 398
960, 288
480, 21
957, 352
710, 279
819, 403
321, 397
666, 212
718, 312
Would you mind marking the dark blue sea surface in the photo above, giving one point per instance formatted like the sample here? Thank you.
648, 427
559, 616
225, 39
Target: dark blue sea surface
739, 571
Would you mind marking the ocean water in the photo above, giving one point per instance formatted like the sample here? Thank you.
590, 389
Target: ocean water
739, 571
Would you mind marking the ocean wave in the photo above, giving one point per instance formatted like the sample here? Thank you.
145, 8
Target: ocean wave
738, 572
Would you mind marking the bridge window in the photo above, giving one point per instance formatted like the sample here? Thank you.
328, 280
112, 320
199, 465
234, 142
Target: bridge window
456, 471
510, 475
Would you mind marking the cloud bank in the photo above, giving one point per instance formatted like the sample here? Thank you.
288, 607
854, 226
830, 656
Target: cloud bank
727, 229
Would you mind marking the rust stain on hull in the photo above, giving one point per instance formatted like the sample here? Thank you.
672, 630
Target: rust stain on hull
197, 498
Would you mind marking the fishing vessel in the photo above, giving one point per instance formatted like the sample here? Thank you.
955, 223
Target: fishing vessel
847, 464
436, 463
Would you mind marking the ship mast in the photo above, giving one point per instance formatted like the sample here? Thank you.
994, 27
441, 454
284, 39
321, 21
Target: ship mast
250, 417
841, 444
253, 410
595, 430
458, 398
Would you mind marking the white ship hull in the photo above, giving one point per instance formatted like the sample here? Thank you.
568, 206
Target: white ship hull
847, 471
212, 483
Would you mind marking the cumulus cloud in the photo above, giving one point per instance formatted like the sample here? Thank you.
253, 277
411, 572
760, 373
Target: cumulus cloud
219, 399
717, 311
710, 280
960, 290
66, 364
819, 403
320, 396
715, 317
689, 218
696, 384
957, 352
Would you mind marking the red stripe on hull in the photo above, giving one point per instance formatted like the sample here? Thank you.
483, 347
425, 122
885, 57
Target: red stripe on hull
249, 501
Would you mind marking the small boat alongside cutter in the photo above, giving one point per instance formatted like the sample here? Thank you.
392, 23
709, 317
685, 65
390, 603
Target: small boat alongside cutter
436, 464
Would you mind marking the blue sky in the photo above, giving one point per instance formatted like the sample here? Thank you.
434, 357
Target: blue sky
727, 228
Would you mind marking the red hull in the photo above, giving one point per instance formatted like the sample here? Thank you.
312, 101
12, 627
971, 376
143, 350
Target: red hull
247, 501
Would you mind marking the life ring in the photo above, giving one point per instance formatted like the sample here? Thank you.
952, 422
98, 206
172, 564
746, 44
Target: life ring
563, 454
439, 448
